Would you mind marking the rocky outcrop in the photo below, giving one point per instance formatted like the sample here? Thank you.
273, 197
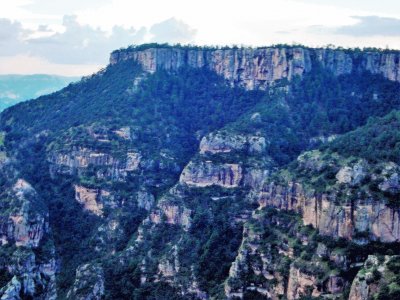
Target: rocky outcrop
301, 284
251, 68
374, 218
171, 214
90, 199
81, 158
30, 278
24, 231
267, 262
169, 266
351, 175
224, 142
207, 173
390, 178
12, 290
145, 200
78, 160
124, 132
366, 284
26, 220
335, 285
132, 161
260, 67
254, 260
167, 269
255, 179
89, 283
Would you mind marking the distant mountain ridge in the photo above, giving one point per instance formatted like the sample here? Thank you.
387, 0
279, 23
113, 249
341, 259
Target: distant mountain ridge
17, 88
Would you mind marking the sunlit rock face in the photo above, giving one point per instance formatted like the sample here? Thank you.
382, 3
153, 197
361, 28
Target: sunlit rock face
337, 220
260, 67
90, 199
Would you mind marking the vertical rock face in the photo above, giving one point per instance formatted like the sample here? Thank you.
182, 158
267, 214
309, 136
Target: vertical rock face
79, 160
26, 231
377, 219
30, 278
251, 68
25, 225
169, 266
254, 259
301, 284
221, 143
225, 142
207, 173
258, 68
145, 200
12, 290
171, 210
89, 283
338, 62
373, 276
386, 64
132, 161
171, 214
268, 263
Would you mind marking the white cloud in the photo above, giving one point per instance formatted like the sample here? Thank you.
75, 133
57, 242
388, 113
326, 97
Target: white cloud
103, 25
77, 50
82, 43
387, 7
11, 36
172, 31
372, 26
59, 6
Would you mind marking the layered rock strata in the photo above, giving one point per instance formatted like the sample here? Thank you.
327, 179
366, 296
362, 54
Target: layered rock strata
260, 67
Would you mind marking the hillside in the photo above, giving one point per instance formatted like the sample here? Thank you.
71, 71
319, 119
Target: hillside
202, 173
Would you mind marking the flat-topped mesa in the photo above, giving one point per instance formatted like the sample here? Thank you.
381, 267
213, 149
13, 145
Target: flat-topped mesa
250, 68
260, 67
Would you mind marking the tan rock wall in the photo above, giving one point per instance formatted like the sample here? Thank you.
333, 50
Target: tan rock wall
258, 68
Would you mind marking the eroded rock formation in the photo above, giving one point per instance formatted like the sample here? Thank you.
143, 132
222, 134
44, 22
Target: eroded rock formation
207, 173
258, 68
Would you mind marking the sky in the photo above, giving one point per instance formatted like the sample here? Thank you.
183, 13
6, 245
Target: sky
75, 37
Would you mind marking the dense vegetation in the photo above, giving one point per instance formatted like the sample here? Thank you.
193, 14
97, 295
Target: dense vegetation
147, 46
372, 149
378, 141
318, 106
167, 112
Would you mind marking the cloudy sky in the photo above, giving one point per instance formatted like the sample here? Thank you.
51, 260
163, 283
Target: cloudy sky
75, 37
